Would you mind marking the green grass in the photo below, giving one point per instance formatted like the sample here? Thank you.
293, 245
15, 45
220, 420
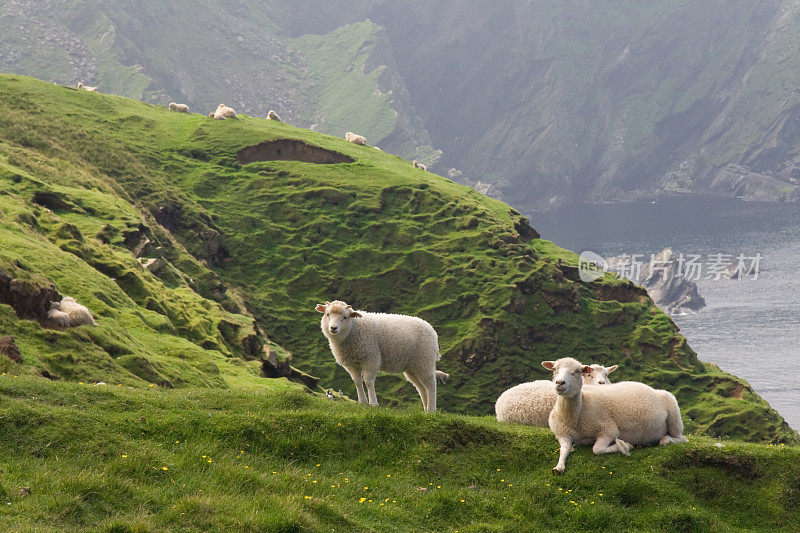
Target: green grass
376, 232
346, 95
118, 458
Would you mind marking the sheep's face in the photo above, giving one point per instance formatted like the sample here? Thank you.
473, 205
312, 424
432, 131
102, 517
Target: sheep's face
55, 306
567, 375
337, 319
598, 375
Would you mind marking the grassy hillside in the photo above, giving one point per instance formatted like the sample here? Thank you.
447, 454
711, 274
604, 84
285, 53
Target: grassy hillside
344, 99
277, 459
204, 53
274, 238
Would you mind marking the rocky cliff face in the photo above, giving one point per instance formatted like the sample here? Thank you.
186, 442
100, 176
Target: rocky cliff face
665, 278
607, 101
544, 102
536, 102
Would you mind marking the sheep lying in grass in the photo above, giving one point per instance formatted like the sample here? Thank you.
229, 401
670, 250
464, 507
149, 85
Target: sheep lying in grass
355, 139
180, 108
224, 112
78, 314
366, 343
272, 115
86, 87
419, 165
613, 417
58, 317
530, 403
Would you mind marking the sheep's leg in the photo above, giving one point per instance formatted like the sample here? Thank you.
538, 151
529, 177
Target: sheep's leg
370, 374
420, 389
355, 374
671, 440
429, 383
566, 447
603, 445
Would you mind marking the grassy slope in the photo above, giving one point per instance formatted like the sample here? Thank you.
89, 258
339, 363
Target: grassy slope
345, 97
133, 46
150, 329
376, 232
276, 459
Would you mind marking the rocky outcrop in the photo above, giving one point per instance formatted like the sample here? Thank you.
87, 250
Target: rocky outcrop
28, 299
666, 284
9, 348
290, 150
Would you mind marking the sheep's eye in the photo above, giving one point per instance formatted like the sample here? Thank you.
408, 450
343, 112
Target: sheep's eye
345, 318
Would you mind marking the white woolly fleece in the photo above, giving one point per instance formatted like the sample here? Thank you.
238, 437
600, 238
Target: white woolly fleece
374, 342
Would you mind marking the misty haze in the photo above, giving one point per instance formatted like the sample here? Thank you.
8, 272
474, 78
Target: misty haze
298, 265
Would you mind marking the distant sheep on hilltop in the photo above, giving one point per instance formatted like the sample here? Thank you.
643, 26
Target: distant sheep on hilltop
180, 108
224, 112
355, 139
86, 87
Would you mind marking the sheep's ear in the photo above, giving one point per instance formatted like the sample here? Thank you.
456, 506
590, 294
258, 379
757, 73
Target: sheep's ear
587, 370
612, 368
548, 365
355, 314
321, 307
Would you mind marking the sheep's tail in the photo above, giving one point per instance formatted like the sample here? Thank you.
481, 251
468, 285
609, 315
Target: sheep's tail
442, 376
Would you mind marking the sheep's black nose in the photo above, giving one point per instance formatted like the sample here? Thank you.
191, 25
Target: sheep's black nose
560, 382
334, 329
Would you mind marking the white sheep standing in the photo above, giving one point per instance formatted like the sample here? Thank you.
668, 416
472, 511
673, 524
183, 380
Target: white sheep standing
613, 418
224, 112
419, 165
530, 403
180, 108
78, 314
272, 115
86, 87
366, 343
58, 317
355, 139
